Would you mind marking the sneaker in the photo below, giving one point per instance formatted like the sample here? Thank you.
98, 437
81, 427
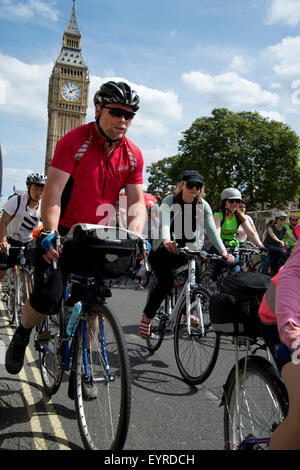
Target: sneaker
194, 320
145, 327
89, 391
15, 353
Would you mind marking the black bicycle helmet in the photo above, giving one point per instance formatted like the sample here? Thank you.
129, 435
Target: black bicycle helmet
112, 92
36, 178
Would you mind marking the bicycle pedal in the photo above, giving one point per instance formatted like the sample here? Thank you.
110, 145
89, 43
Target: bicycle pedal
44, 337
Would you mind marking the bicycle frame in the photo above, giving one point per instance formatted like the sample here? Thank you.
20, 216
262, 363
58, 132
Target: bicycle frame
68, 348
186, 292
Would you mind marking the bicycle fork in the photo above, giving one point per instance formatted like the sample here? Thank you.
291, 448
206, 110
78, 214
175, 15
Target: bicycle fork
191, 287
103, 357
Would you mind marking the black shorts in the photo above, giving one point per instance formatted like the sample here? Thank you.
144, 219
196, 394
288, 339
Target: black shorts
49, 285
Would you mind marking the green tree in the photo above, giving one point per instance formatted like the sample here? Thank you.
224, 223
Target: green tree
242, 150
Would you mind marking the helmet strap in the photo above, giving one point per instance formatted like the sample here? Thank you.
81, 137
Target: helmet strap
107, 139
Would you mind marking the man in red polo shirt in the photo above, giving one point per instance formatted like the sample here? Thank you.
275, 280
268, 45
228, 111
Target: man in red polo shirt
90, 166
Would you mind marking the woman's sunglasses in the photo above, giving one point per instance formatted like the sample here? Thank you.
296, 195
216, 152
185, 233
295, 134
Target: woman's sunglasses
192, 184
234, 200
118, 112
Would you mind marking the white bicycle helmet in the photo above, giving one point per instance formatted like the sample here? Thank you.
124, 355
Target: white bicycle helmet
231, 193
280, 214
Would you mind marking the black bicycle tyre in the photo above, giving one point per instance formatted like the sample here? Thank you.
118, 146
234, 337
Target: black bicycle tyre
10, 297
120, 356
263, 267
263, 369
24, 277
181, 353
51, 378
157, 331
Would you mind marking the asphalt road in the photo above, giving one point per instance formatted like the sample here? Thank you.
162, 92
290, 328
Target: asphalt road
167, 414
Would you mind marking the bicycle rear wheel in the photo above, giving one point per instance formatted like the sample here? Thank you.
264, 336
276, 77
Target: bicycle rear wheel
262, 405
102, 382
263, 267
196, 353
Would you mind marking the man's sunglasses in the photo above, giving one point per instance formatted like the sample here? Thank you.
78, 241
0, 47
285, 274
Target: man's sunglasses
118, 112
192, 184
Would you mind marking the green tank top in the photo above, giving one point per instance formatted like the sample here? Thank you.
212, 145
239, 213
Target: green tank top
228, 230
287, 239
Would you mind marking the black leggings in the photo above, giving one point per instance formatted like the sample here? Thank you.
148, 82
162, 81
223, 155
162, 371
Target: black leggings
163, 262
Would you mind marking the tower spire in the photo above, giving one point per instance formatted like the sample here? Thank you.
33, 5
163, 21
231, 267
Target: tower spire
72, 27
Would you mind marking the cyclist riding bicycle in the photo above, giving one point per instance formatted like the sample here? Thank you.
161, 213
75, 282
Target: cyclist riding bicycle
280, 314
228, 218
274, 240
241, 235
292, 223
183, 217
90, 166
21, 215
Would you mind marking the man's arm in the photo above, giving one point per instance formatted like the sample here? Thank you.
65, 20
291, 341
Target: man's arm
51, 201
136, 207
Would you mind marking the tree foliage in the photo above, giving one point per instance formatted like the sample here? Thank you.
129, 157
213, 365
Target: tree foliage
242, 150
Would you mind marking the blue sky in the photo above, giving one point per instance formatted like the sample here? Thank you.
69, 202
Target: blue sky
183, 58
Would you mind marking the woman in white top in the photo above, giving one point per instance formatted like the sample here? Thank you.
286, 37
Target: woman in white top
21, 215
241, 235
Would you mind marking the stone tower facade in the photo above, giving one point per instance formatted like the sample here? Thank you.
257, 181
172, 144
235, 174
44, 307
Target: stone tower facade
68, 89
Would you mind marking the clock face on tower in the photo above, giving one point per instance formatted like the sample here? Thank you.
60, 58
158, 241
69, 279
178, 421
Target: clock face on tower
70, 91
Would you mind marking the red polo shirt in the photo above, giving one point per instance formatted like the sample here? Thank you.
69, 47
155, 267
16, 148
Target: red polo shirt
96, 178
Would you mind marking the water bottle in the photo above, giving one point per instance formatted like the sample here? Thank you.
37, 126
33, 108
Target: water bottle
73, 320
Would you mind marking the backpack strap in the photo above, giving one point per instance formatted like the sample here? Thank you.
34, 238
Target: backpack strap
18, 204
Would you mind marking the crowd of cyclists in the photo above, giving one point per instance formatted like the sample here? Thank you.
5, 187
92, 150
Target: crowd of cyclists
90, 166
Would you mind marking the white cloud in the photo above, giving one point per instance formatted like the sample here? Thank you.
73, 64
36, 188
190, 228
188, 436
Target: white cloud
16, 177
26, 88
156, 107
284, 11
239, 65
10, 9
229, 89
273, 115
285, 57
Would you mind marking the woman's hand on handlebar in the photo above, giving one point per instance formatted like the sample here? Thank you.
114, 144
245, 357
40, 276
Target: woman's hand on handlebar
228, 257
171, 246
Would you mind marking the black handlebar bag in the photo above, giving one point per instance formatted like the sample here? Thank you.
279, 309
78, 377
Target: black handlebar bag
234, 311
100, 252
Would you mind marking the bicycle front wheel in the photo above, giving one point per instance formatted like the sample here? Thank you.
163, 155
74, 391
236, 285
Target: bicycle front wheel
48, 344
196, 352
102, 381
253, 409
24, 289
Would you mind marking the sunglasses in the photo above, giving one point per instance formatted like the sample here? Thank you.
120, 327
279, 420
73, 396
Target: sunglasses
192, 184
282, 218
234, 200
118, 112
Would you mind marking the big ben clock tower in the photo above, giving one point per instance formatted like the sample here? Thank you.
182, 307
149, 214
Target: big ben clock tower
68, 89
